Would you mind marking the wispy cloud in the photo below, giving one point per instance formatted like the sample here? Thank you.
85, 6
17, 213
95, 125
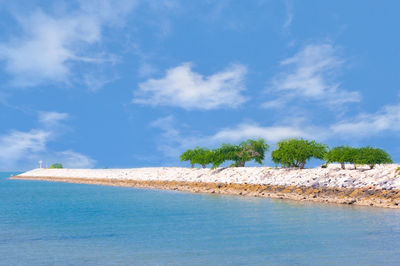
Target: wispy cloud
16, 145
181, 87
95, 82
367, 125
271, 134
172, 142
72, 159
310, 75
146, 69
289, 15
23, 149
50, 45
166, 124
51, 118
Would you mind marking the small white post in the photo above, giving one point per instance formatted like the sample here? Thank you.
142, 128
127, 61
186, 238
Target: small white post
40, 163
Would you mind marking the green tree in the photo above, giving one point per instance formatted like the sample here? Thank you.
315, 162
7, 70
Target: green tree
188, 156
296, 152
202, 157
342, 155
372, 156
199, 156
56, 165
220, 155
250, 150
226, 152
240, 154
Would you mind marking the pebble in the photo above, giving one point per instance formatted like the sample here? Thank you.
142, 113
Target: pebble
382, 176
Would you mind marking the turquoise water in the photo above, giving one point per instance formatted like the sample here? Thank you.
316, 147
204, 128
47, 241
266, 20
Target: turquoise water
44, 223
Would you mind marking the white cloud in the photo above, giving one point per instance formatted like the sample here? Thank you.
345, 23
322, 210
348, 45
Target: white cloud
146, 70
23, 149
172, 142
289, 15
166, 124
51, 118
15, 145
71, 159
269, 133
366, 125
184, 88
310, 75
43, 54
51, 44
96, 82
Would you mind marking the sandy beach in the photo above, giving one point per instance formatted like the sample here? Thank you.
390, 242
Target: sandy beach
378, 187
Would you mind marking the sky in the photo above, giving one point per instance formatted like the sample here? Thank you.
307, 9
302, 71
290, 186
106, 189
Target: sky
133, 83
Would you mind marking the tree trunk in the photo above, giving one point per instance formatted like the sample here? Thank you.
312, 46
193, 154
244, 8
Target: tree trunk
302, 164
371, 166
342, 164
204, 165
240, 164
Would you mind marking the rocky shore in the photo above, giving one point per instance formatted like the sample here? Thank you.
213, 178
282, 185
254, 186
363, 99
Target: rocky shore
377, 187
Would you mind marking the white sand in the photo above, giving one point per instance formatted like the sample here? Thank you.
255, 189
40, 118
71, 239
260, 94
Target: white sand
380, 177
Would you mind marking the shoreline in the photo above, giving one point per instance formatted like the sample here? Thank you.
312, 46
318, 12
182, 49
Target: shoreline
363, 196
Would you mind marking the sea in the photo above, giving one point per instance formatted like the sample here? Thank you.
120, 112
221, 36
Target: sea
53, 223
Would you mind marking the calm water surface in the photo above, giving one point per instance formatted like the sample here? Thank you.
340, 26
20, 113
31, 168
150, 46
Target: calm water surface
44, 223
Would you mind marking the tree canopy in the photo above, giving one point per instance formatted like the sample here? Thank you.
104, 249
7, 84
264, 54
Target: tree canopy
342, 155
240, 154
56, 165
199, 156
372, 156
289, 153
297, 152
250, 150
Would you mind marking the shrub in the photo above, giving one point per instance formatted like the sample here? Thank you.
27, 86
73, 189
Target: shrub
203, 157
240, 154
199, 156
342, 155
188, 156
372, 156
251, 150
56, 165
224, 153
296, 152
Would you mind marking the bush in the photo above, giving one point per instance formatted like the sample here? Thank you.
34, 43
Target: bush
372, 156
251, 150
240, 154
296, 152
224, 153
342, 155
56, 165
199, 156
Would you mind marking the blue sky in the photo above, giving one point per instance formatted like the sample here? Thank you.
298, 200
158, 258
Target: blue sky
134, 83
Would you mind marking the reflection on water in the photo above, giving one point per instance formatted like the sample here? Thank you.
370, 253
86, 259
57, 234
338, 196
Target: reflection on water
44, 223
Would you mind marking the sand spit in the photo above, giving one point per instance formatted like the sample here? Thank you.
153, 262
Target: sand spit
377, 187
